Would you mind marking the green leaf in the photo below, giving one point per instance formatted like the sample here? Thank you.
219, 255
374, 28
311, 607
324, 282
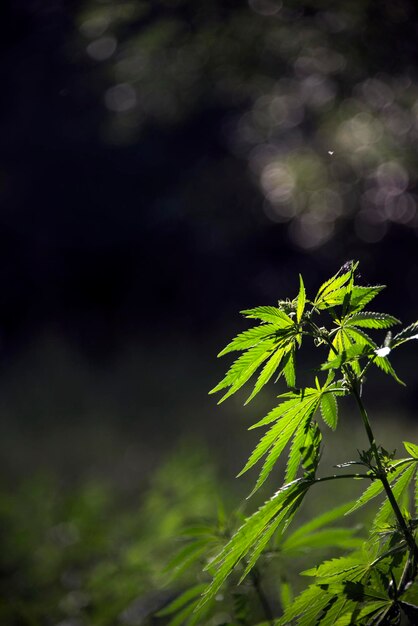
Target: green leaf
411, 448
328, 538
332, 285
244, 367
250, 532
371, 320
285, 594
335, 609
282, 520
408, 333
311, 450
320, 521
278, 411
198, 530
301, 300
384, 364
252, 337
296, 449
267, 372
329, 409
306, 411
350, 567
375, 489
310, 602
386, 512
182, 616
281, 431
182, 599
361, 296
268, 314
372, 609
354, 352
289, 369
189, 554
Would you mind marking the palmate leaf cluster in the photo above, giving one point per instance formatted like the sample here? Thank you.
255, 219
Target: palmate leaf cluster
373, 583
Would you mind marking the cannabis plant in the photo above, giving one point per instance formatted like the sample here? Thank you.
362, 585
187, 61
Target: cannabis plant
373, 582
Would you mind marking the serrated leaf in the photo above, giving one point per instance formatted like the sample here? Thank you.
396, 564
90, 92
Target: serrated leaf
411, 448
310, 601
354, 352
361, 296
334, 611
252, 337
386, 512
268, 314
283, 520
332, 284
282, 430
301, 300
296, 449
244, 367
311, 450
374, 490
249, 533
358, 335
333, 299
267, 372
373, 609
319, 522
369, 319
278, 411
384, 364
280, 444
350, 567
289, 370
329, 410
408, 333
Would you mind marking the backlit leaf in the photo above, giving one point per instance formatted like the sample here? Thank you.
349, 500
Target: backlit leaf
329, 410
301, 300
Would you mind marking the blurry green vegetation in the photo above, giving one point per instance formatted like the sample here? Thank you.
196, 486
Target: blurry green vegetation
87, 554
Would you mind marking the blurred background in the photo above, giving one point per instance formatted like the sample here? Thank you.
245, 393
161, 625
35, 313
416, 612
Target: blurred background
164, 164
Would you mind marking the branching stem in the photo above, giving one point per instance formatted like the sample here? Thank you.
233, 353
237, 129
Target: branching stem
353, 382
382, 476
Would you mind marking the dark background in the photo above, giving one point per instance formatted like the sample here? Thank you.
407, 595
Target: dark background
165, 164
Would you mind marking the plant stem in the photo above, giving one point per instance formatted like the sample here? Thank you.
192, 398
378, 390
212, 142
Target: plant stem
353, 381
255, 578
338, 476
382, 476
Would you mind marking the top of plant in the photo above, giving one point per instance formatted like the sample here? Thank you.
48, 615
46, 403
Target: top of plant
271, 346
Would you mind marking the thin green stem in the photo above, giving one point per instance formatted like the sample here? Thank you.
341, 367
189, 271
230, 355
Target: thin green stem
382, 476
339, 476
353, 382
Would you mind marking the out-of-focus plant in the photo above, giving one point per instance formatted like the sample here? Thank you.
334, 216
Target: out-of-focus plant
374, 583
312, 99
85, 556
